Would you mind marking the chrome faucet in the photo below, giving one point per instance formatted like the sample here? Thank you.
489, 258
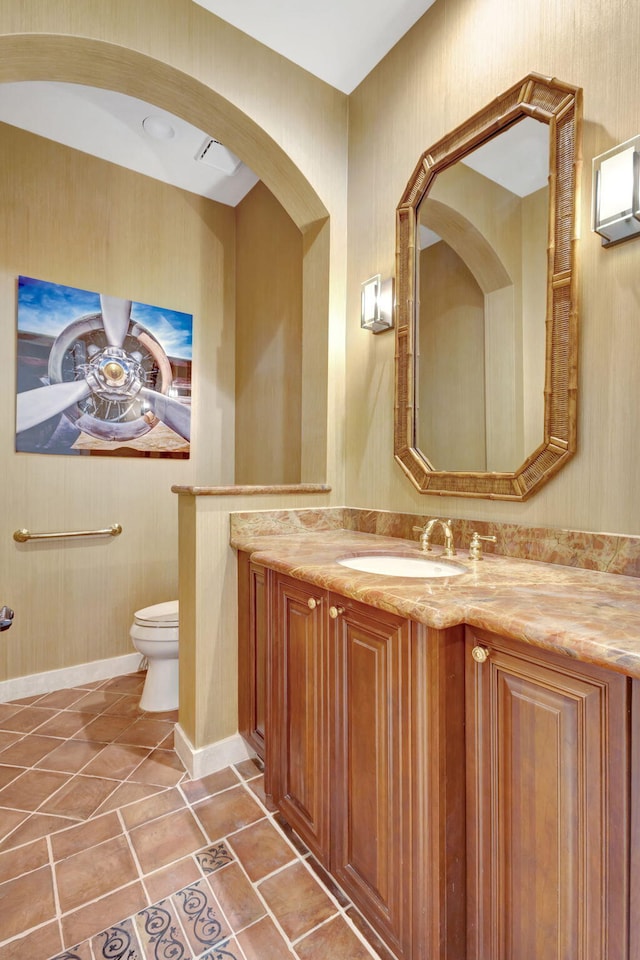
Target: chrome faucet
425, 536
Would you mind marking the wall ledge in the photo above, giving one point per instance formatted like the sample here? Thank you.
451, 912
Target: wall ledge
248, 491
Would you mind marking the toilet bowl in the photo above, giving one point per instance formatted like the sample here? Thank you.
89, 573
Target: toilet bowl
154, 633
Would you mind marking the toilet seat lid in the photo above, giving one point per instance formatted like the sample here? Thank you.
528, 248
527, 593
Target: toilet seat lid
159, 614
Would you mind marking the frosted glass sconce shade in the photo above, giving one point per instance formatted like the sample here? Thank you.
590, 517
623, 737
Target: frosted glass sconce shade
376, 311
616, 197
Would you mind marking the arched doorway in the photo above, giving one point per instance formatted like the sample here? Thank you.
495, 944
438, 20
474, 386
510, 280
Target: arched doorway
102, 64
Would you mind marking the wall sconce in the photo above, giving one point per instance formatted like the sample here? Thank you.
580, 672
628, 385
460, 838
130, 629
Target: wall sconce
376, 309
616, 197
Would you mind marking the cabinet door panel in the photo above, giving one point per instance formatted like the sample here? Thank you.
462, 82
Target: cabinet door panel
634, 842
259, 627
546, 798
300, 783
253, 619
372, 768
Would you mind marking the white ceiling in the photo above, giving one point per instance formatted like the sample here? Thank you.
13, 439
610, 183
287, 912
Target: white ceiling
109, 125
339, 41
518, 159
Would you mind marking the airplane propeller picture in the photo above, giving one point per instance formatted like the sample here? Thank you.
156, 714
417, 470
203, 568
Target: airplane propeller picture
111, 378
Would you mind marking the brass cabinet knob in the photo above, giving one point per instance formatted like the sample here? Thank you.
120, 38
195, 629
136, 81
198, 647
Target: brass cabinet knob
480, 654
335, 612
312, 603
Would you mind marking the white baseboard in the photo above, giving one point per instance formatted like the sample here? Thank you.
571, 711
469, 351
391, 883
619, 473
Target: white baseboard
205, 760
29, 686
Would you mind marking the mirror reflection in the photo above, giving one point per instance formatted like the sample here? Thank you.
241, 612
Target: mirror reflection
486, 299
481, 292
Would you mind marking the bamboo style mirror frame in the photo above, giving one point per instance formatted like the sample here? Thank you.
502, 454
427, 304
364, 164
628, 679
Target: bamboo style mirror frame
558, 105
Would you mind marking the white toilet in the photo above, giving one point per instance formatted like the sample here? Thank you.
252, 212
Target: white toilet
154, 632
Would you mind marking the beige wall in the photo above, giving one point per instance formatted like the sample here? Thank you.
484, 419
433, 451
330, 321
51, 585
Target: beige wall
291, 129
288, 126
456, 59
450, 425
269, 341
70, 218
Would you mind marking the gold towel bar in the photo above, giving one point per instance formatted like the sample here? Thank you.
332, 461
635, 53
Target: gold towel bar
23, 535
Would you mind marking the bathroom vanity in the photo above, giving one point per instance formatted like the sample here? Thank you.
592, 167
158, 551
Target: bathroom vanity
462, 754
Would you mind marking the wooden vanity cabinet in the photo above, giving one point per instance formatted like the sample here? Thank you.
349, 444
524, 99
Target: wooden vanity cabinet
299, 717
475, 797
548, 758
371, 769
634, 842
253, 660
354, 754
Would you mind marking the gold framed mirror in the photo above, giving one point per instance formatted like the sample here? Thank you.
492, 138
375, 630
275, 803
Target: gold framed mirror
486, 313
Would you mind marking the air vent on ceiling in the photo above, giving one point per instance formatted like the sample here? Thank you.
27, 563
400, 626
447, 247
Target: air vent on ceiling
214, 154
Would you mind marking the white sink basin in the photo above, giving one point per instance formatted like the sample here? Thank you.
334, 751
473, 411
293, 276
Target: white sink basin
390, 565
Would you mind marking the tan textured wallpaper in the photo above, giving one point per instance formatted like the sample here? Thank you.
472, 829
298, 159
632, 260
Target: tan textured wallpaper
74, 604
269, 341
457, 58
73, 219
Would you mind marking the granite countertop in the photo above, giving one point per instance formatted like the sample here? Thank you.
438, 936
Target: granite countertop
585, 614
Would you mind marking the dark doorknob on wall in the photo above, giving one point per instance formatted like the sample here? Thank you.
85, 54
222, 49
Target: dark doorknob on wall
6, 618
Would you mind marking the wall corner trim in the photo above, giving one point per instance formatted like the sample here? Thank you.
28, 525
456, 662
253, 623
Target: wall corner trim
202, 761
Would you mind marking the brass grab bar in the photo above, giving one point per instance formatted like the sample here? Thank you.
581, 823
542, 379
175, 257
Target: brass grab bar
21, 536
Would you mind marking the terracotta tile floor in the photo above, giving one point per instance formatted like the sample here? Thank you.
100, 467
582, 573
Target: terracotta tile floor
109, 850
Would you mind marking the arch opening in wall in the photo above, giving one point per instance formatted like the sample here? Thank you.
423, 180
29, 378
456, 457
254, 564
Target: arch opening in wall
100, 64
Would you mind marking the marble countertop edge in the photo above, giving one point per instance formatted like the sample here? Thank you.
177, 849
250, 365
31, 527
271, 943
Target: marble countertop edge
586, 615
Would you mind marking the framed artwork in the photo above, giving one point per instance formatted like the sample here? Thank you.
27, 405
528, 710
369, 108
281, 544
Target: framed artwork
99, 375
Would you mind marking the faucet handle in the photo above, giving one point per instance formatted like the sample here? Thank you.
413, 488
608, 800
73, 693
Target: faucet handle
475, 547
424, 539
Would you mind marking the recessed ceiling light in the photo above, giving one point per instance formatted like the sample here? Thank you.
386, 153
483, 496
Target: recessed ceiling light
158, 128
